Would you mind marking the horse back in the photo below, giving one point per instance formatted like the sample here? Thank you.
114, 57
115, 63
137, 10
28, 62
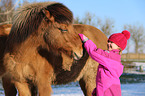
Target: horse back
93, 33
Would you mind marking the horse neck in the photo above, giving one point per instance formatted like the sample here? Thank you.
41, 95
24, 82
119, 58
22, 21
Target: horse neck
27, 48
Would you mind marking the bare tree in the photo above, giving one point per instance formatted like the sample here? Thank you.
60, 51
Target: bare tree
90, 19
6, 12
137, 36
77, 20
7, 8
106, 26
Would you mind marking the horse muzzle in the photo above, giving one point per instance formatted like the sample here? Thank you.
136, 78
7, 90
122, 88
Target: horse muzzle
77, 55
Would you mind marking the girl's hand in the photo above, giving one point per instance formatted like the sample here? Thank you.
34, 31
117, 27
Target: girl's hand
83, 38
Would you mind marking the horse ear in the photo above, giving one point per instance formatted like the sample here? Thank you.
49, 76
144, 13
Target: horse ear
48, 15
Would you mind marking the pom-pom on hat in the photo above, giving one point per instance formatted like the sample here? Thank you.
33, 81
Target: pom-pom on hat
120, 39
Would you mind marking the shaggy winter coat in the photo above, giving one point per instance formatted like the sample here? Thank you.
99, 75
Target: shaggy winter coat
109, 70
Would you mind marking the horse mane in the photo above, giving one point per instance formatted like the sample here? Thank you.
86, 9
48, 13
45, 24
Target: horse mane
27, 19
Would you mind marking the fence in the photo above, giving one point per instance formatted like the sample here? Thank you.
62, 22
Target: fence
133, 63
133, 57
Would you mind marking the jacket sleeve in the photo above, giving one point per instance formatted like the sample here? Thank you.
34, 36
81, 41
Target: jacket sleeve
94, 53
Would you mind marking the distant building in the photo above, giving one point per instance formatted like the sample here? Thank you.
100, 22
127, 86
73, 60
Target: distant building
140, 66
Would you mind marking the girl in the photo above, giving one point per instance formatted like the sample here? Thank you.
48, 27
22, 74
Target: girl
110, 67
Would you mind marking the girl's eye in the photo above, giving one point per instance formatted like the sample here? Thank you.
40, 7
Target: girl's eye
110, 42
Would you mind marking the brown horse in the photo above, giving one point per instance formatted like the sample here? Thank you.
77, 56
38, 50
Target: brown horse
43, 48
94, 34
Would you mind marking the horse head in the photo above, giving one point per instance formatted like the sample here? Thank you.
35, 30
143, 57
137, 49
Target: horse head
59, 33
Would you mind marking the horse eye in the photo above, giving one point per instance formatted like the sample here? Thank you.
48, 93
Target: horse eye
63, 30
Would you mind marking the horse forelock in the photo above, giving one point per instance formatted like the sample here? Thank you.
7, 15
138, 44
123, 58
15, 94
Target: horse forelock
28, 18
61, 13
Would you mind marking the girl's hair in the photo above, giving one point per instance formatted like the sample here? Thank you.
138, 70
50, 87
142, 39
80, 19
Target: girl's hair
120, 51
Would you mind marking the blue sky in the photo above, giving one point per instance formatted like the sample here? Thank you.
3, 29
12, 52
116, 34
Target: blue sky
120, 11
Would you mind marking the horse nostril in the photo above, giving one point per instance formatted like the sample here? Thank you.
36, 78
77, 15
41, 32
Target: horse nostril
76, 56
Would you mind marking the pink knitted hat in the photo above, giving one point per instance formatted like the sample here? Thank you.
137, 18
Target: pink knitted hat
120, 39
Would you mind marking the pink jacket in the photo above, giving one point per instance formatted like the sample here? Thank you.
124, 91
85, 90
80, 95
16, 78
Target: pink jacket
109, 70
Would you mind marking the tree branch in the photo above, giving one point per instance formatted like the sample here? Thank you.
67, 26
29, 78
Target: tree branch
7, 12
7, 22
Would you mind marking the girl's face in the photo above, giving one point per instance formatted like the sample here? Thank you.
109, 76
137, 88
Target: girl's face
112, 46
